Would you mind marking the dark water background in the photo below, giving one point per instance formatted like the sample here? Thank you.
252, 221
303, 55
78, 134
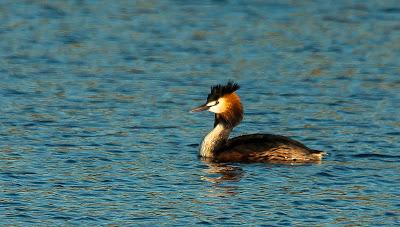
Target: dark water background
95, 129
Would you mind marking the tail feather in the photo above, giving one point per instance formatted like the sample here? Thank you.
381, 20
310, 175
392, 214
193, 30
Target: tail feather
319, 154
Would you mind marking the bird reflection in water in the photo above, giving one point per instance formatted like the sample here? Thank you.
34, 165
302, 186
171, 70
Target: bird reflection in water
220, 173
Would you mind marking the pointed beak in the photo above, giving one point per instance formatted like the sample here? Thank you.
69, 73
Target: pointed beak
200, 108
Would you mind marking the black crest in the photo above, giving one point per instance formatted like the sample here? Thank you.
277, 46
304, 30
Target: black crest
219, 90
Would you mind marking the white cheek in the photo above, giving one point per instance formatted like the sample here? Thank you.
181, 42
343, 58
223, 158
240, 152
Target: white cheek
212, 103
216, 109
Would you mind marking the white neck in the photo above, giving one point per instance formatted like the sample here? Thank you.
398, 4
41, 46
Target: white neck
214, 140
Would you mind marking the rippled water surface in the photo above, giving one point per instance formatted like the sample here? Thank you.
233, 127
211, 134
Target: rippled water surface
95, 129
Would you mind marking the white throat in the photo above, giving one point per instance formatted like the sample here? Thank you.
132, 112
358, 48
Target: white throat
214, 140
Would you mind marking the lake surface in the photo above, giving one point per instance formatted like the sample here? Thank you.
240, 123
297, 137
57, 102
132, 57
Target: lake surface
94, 119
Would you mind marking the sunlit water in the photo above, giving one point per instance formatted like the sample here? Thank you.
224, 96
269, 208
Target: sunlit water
94, 120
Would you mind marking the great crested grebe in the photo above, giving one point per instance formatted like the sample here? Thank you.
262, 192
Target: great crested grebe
225, 103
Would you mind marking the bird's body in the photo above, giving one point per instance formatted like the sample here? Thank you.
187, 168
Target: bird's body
217, 146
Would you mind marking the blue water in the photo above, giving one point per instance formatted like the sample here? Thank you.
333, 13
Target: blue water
95, 129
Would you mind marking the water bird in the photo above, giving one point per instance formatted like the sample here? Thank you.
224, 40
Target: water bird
228, 113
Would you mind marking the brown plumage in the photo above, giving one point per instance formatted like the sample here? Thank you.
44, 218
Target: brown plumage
267, 148
226, 105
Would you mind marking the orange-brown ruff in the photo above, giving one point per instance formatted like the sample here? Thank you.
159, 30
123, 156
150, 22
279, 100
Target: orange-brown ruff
226, 105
